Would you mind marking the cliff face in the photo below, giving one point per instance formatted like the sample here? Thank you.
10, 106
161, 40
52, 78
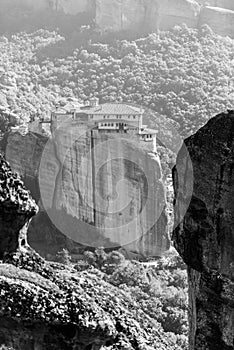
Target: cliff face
142, 16
225, 4
205, 235
219, 19
70, 7
52, 306
17, 208
147, 15
97, 190
173, 13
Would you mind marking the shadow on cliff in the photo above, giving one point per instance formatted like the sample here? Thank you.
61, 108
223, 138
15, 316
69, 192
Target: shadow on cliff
42, 230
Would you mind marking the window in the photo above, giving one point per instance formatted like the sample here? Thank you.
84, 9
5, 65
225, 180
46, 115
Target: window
134, 117
104, 117
91, 116
112, 124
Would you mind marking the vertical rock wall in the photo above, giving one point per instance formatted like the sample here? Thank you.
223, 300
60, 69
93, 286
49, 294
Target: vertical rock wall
172, 13
98, 190
149, 15
205, 235
70, 7
16, 210
219, 19
145, 15
225, 4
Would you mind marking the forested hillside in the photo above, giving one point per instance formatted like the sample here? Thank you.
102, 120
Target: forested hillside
184, 75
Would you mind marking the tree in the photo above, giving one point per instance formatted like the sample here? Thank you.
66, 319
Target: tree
64, 257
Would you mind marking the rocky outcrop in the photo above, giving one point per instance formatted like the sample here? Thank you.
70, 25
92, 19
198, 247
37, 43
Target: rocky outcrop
97, 190
142, 16
126, 15
69, 7
172, 13
204, 236
225, 4
145, 15
16, 208
148, 15
220, 20
52, 306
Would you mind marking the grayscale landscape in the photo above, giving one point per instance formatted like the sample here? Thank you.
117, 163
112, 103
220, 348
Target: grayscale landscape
116, 174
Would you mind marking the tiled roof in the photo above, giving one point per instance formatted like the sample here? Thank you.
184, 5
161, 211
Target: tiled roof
112, 108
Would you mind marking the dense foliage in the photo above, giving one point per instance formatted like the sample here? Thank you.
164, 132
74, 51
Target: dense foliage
159, 288
185, 75
129, 311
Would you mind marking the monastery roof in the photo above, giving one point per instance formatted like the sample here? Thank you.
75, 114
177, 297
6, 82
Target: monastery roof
112, 108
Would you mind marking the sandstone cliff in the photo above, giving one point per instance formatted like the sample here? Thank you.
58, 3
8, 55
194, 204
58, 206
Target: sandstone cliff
57, 307
147, 15
70, 7
15, 202
205, 235
97, 190
172, 13
52, 306
220, 20
141, 16
225, 4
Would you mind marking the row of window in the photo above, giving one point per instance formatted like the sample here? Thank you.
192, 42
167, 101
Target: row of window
117, 116
112, 124
147, 136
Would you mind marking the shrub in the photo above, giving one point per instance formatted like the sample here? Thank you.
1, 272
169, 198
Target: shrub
64, 257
